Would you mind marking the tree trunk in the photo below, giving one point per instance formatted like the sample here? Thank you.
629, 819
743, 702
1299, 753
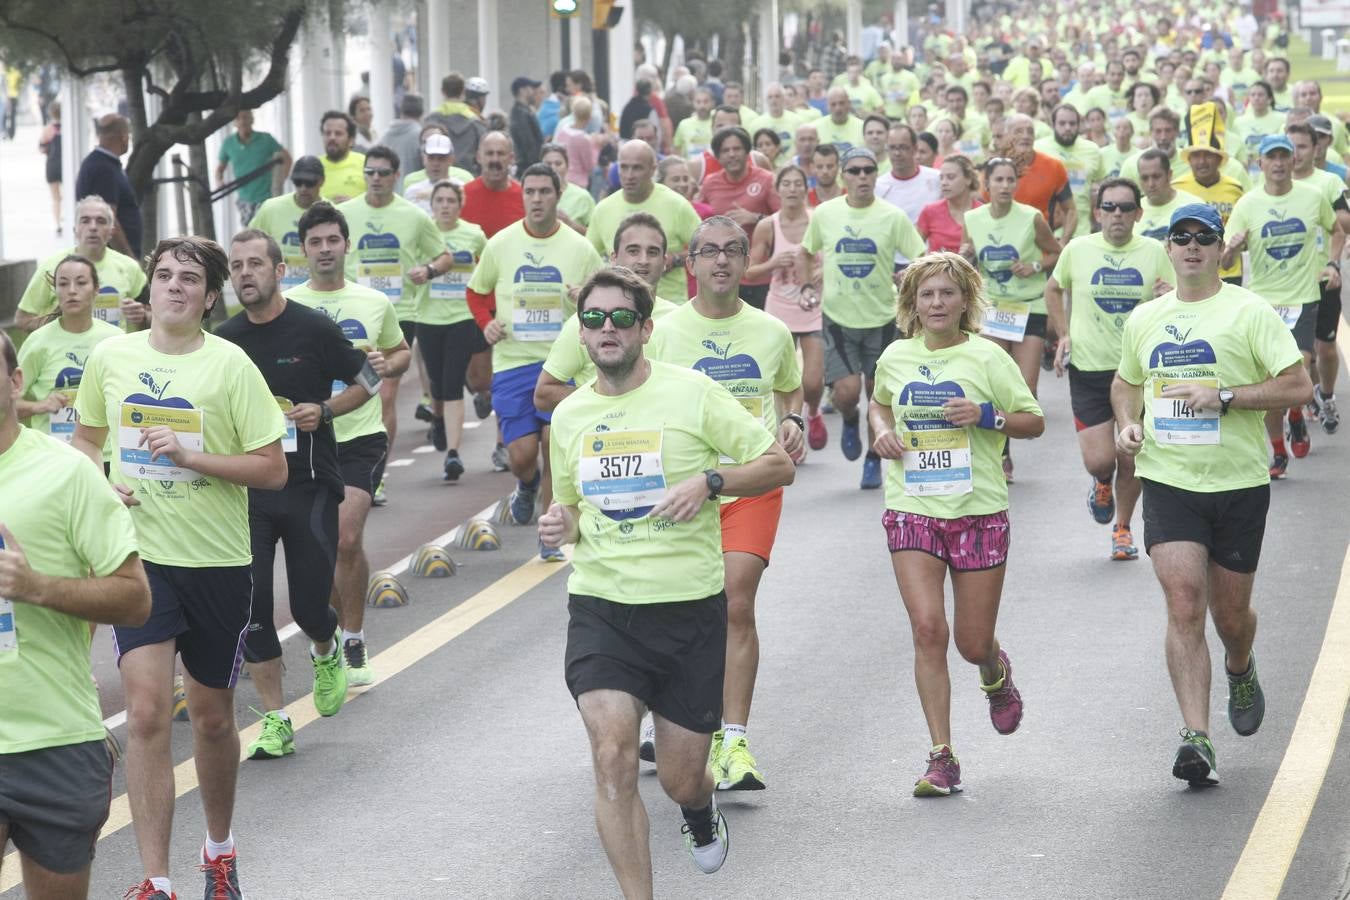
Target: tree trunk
146, 195
203, 221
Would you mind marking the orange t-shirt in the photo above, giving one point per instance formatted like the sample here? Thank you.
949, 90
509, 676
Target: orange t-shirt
1045, 179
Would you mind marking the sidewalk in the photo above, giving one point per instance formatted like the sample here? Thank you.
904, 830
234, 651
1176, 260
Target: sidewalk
26, 221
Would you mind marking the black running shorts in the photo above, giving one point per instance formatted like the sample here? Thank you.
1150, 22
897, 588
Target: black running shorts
1231, 524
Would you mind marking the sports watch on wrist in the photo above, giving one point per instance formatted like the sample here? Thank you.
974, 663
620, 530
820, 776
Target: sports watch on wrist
325, 413
999, 420
1225, 398
796, 420
714, 483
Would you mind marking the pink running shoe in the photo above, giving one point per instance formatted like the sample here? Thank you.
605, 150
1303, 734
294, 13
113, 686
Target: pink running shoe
816, 434
1005, 703
943, 775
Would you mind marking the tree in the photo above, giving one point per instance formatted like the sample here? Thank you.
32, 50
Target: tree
194, 57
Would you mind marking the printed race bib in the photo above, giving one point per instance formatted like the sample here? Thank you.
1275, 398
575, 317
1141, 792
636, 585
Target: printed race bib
297, 272
1289, 315
289, 444
62, 422
621, 473
537, 315
135, 461
937, 462
1007, 321
379, 268
1174, 422
450, 286
108, 307
9, 636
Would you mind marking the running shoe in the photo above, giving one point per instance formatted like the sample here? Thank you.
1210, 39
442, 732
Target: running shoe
1314, 406
222, 877
738, 768
647, 744
850, 441
146, 890
501, 460
871, 476
1101, 502
522, 500
943, 775
1246, 700
1326, 411
436, 434
358, 663
817, 435
1122, 544
1005, 701
482, 405
708, 843
453, 466
423, 412
330, 680
1299, 440
715, 757
378, 498
551, 554
1048, 356
277, 738
1195, 763
1279, 466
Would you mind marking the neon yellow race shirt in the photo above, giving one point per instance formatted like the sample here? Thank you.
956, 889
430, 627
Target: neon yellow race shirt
1232, 338
1000, 244
568, 359
678, 220
443, 302
1282, 242
615, 457
53, 361
218, 402
388, 242
860, 247
280, 218
118, 276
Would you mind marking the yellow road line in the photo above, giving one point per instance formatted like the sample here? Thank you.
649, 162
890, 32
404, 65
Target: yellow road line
1274, 839
407, 652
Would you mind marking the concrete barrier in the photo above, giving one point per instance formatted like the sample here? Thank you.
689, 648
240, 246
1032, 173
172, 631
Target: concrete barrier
14, 277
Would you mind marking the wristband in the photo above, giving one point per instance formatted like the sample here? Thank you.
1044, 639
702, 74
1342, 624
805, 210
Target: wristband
1335, 264
987, 416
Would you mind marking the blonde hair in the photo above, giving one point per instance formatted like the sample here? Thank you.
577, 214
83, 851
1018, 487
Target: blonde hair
955, 267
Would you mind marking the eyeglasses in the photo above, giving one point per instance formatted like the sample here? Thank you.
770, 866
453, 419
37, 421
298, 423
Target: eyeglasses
594, 319
1203, 238
304, 182
382, 173
1111, 206
711, 251
861, 170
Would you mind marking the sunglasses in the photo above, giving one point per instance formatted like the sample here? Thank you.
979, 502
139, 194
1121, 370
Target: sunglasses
382, 173
1203, 238
594, 319
304, 182
1111, 206
861, 170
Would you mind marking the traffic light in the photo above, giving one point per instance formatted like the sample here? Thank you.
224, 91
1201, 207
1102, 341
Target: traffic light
605, 15
564, 9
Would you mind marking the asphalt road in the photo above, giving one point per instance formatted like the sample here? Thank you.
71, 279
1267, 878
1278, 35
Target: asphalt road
464, 771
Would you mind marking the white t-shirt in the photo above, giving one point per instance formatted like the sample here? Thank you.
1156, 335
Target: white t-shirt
910, 194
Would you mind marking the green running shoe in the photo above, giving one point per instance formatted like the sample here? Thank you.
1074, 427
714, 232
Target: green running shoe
276, 740
330, 680
1195, 763
739, 772
359, 672
1246, 700
715, 758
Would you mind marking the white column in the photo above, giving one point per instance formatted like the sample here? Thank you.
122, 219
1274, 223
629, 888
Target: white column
769, 47
956, 15
855, 26
574, 40
621, 40
320, 86
281, 109
901, 18
487, 55
435, 29
381, 70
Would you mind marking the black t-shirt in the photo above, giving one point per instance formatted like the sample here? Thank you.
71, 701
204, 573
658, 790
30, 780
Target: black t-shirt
301, 353
101, 173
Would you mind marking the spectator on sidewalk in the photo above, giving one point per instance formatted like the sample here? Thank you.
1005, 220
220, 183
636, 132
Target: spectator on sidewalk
50, 145
403, 135
101, 173
245, 152
363, 114
525, 131
554, 105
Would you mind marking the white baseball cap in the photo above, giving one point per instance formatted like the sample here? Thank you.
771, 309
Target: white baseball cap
476, 85
438, 145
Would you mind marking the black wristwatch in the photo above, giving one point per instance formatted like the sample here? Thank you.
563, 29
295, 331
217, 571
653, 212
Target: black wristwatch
325, 413
1225, 398
796, 419
714, 483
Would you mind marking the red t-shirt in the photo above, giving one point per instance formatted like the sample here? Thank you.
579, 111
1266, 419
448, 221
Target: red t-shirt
492, 210
753, 193
943, 231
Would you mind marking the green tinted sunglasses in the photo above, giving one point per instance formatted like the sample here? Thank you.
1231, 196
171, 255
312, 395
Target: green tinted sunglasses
594, 319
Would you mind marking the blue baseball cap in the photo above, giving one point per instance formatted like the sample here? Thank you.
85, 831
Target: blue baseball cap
1275, 142
1202, 213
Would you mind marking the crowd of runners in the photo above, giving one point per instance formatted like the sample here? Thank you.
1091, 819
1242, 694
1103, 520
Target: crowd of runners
1150, 205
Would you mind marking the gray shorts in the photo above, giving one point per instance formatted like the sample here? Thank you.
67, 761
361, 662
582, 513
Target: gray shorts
849, 351
54, 803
